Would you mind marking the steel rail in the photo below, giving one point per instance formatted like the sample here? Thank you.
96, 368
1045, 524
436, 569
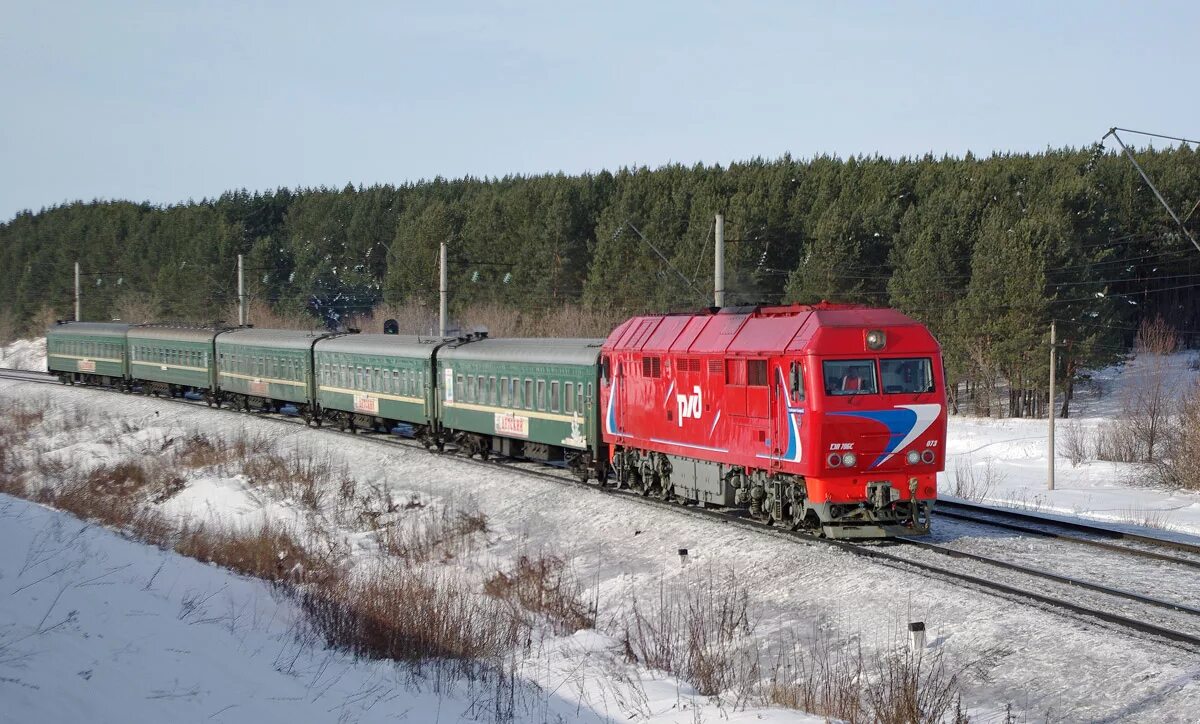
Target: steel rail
1070, 525
736, 517
1194, 563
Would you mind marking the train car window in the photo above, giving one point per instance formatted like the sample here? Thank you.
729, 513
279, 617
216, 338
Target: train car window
850, 377
569, 396
396, 389
493, 391
541, 394
554, 397
528, 394
589, 394
504, 392
460, 387
907, 376
481, 389
756, 372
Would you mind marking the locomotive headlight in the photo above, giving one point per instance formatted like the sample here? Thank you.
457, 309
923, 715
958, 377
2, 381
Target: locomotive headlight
849, 459
928, 456
913, 457
834, 460
876, 339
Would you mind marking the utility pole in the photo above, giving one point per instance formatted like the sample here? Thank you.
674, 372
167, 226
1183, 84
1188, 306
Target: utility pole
77, 286
241, 293
443, 291
719, 264
1053, 342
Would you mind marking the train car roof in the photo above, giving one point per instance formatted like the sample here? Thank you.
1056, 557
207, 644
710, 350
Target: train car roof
95, 329
388, 345
173, 333
280, 338
530, 350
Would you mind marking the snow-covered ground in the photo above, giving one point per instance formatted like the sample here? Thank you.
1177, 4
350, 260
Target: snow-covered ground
24, 354
94, 627
1008, 459
1039, 662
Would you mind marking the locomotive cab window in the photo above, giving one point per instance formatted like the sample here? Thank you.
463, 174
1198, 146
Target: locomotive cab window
907, 376
850, 377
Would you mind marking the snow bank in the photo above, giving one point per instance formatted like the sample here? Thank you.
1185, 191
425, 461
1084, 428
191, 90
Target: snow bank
24, 354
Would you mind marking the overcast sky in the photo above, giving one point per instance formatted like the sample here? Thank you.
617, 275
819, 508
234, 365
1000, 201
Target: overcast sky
166, 101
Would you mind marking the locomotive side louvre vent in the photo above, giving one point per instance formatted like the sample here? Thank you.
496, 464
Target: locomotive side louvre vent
687, 364
652, 366
716, 368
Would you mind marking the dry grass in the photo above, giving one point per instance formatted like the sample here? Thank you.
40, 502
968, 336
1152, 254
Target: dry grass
264, 316
698, 630
429, 533
973, 481
300, 475
543, 587
568, 320
412, 613
268, 552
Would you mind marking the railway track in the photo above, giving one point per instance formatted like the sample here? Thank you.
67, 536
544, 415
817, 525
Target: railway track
1173, 622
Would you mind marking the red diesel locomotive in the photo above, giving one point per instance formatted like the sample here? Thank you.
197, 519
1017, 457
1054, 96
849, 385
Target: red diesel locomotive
826, 417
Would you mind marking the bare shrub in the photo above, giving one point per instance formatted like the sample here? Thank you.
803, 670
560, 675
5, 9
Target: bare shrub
1180, 464
411, 613
269, 552
1119, 442
1146, 400
1155, 337
542, 586
1075, 442
976, 482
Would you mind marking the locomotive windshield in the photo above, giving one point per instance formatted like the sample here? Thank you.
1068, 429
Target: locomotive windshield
907, 375
850, 377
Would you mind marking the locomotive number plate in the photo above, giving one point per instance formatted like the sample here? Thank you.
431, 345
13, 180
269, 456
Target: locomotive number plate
512, 425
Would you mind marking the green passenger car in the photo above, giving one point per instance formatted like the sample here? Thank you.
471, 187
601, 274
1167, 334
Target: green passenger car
266, 368
532, 398
172, 360
88, 352
371, 381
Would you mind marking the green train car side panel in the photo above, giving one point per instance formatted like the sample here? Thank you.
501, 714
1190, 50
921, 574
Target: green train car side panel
386, 386
526, 401
277, 374
87, 348
173, 362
